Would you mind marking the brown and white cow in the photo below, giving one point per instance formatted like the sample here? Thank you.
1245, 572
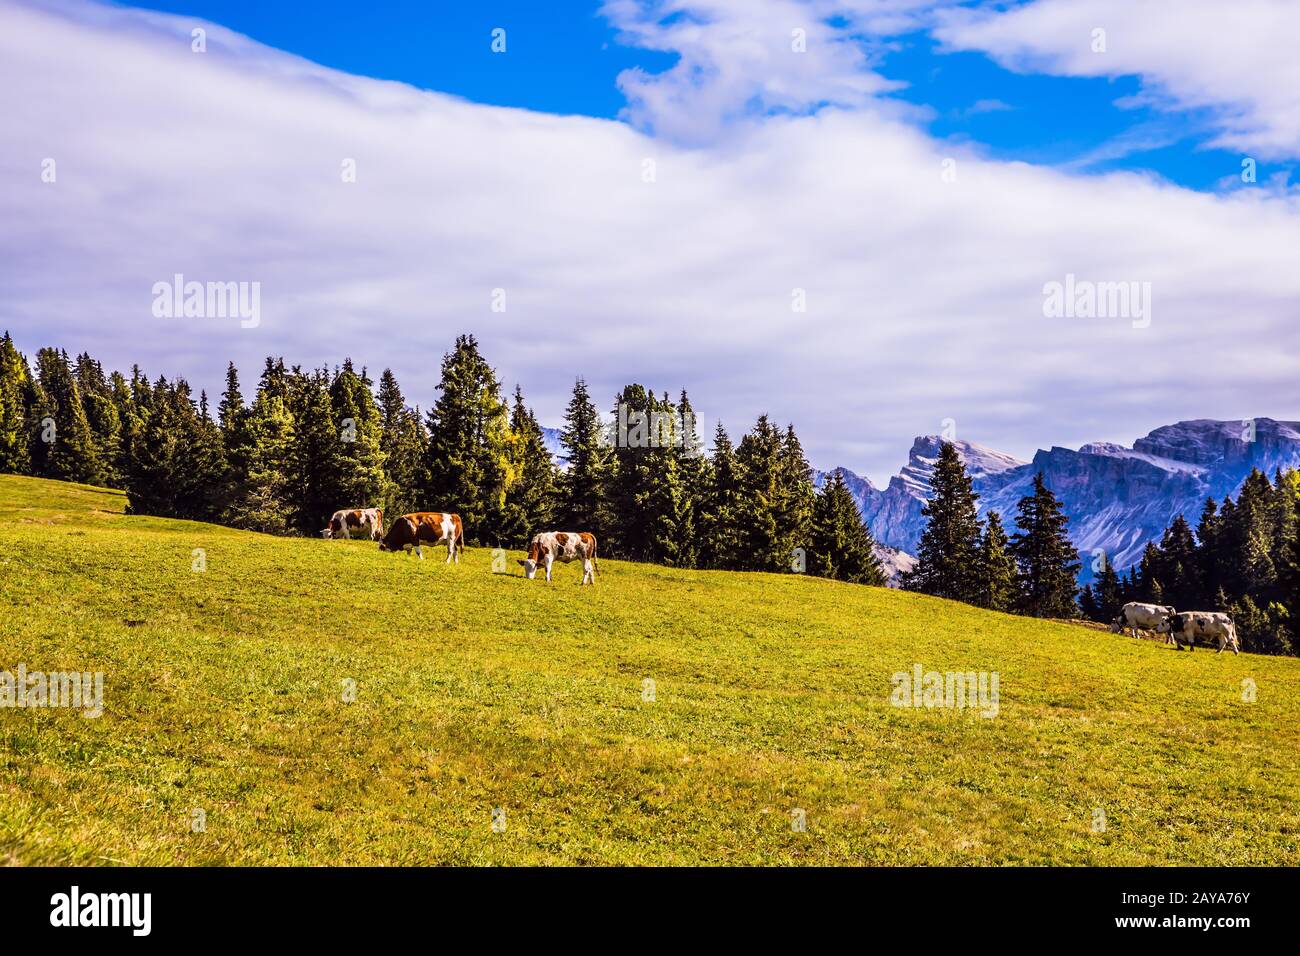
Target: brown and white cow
362, 520
426, 527
551, 546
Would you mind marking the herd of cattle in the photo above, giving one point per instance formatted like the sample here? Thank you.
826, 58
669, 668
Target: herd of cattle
438, 527
1179, 629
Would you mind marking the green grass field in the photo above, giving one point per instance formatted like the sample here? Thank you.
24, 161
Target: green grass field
477, 690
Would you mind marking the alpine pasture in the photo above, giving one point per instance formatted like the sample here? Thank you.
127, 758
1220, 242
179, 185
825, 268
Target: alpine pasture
229, 735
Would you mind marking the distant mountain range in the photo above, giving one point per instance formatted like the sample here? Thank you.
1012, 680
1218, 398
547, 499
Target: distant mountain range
1116, 498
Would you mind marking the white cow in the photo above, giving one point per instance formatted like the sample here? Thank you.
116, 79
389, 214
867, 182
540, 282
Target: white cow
362, 520
1210, 626
551, 546
1135, 614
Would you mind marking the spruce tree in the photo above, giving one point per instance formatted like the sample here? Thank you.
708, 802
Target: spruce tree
720, 507
71, 453
996, 568
15, 396
359, 457
764, 545
316, 470
1047, 562
531, 500
840, 546
403, 439
584, 485
263, 499
1109, 593
947, 557
466, 464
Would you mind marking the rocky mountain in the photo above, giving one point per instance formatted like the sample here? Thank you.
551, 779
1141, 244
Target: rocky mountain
1117, 498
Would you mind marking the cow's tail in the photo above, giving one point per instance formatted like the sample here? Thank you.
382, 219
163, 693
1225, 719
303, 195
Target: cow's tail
460, 536
595, 565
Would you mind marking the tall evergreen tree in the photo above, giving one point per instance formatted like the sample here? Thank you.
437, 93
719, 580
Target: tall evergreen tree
530, 502
263, 498
15, 411
70, 454
403, 437
1047, 562
840, 546
996, 577
584, 485
721, 508
466, 462
947, 557
359, 456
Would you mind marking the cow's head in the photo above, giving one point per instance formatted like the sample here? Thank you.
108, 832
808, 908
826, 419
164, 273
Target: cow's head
394, 540
530, 567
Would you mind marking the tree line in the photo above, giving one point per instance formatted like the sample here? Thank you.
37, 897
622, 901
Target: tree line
307, 442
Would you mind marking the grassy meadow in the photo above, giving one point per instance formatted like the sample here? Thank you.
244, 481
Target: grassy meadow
224, 692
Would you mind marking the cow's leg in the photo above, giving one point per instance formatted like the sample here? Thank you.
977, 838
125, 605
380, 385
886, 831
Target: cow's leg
346, 536
549, 562
451, 549
586, 571
419, 553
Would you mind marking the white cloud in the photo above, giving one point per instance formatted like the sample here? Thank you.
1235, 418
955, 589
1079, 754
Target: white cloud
1235, 60
924, 297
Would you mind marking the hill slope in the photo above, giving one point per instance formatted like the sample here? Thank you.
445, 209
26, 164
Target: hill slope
478, 690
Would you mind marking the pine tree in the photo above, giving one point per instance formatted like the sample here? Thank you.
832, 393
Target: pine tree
70, 454
1046, 560
530, 502
840, 546
466, 464
947, 557
359, 456
720, 507
645, 489
764, 544
584, 485
1109, 593
1179, 564
316, 470
15, 398
996, 567
263, 497
403, 439
102, 417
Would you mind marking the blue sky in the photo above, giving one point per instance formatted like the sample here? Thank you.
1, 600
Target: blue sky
565, 57
749, 199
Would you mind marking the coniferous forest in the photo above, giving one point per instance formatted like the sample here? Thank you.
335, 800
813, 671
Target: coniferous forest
279, 455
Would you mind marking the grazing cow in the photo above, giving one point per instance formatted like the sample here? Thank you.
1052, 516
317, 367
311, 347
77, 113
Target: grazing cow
346, 520
1148, 617
426, 527
1210, 626
551, 546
